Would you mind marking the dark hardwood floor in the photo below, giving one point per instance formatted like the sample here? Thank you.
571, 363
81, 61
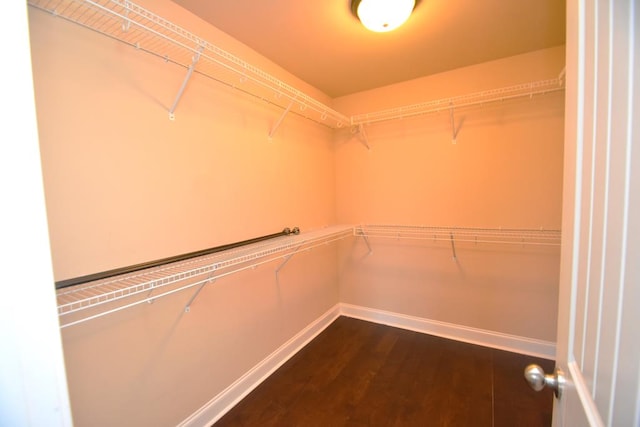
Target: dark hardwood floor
357, 373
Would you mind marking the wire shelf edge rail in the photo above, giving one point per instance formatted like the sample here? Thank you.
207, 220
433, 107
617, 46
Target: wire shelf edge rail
523, 90
514, 236
127, 22
203, 270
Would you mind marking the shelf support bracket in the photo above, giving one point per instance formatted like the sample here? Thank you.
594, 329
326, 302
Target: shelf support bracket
279, 122
286, 260
561, 76
192, 67
366, 241
454, 130
363, 136
150, 301
187, 308
126, 23
453, 245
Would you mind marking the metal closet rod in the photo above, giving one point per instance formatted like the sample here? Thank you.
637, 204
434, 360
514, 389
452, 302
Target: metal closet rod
132, 268
98, 301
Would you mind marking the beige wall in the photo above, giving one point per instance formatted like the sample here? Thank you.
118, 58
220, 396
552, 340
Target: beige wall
504, 171
154, 364
124, 185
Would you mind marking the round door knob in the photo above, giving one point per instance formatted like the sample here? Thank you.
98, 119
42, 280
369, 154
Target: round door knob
538, 380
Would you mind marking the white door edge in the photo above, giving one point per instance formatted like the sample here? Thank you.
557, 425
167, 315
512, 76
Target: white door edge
589, 405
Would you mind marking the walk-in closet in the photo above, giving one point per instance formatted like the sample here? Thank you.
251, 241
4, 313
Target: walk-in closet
214, 218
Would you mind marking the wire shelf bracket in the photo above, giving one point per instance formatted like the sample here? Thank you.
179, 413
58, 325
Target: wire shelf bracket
359, 231
284, 262
150, 300
126, 23
561, 76
454, 129
187, 307
362, 135
453, 246
190, 70
133, 25
279, 122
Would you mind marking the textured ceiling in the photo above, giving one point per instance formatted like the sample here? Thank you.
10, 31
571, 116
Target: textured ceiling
322, 43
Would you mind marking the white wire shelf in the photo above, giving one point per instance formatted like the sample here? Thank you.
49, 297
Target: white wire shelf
135, 26
80, 303
129, 23
95, 299
524, 90
540, 237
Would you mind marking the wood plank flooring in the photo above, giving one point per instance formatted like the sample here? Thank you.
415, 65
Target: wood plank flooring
357, 373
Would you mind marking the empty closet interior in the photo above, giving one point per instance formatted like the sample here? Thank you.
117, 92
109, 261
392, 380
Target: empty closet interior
432, 204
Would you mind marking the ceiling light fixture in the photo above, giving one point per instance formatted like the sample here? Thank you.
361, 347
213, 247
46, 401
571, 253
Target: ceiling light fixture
382, 15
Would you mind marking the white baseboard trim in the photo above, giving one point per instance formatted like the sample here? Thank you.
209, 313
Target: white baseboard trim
513, 343
228, 398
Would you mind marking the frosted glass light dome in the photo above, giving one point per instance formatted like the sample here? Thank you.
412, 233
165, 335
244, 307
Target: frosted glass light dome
383, 15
